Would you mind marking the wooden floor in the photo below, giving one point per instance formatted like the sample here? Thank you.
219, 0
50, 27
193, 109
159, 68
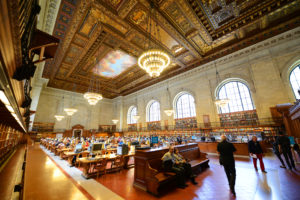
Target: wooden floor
212, 184
9, 173
45, 179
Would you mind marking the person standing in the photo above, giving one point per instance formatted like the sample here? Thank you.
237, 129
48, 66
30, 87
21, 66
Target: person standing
226, 150
256, 152
277, 152
285, 148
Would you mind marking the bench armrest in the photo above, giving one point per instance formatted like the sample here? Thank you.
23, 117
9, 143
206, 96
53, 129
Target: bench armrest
151, 172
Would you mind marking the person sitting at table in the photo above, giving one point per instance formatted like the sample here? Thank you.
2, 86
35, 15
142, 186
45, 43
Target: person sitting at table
76, 151
170, 164
182, 163
87, 144
57, 142
68, 143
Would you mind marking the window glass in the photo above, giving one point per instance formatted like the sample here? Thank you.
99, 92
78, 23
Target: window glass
295, 80
131, 112
185, 106
154, 112
239, 95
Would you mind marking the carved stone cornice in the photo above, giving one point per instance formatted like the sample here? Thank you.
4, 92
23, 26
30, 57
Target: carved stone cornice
50, 15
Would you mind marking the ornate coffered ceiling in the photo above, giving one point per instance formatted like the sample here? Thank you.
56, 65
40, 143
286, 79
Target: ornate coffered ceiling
102, 38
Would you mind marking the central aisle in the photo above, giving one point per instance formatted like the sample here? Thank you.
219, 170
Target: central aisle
45, 179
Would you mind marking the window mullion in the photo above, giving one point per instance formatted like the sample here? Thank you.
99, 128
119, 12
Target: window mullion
238, 87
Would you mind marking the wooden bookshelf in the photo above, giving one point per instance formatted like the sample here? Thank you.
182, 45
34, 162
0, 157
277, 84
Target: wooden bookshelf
9, 138
43, 127
241, 118
186, 123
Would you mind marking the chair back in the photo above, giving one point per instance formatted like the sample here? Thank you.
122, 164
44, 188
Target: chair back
101, 165
119, 161
84, 154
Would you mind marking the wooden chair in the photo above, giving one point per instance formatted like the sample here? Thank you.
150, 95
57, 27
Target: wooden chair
83, 155
118, 163
100, 167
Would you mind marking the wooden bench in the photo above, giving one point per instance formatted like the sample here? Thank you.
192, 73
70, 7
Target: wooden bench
154, 179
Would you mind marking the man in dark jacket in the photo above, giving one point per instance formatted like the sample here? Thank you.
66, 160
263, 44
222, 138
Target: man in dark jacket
226, 150
256, 152
285, 147
277, 152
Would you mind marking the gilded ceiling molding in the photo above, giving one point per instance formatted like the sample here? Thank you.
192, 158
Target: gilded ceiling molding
81, 10
92, 43
126, 8
175, 33
108, 17
195, 20
95, 45
194, 73
15, 31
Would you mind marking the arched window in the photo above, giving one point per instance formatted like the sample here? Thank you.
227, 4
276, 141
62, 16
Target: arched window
131, 112
185, 106
295, 80
153, 111
239, 95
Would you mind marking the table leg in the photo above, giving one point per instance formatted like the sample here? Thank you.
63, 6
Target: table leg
85, 172
70, 158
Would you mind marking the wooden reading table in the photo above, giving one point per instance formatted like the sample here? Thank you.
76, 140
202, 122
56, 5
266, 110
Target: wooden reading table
60, 152
70, 156
87, 164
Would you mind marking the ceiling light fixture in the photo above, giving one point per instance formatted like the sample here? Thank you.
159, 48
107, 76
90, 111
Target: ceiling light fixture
153, 60
6, 102
169, 111
70, 111
136, 117
59, 117
3, 98
115, 121
60, 106
10, 108
91, 95
221, 103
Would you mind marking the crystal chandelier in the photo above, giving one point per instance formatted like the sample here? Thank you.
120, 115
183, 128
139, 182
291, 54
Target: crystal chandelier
59, 117
136, 117
221, 103
70, 111
60, 106
91, 95
115, 121
169, 112
153, 60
